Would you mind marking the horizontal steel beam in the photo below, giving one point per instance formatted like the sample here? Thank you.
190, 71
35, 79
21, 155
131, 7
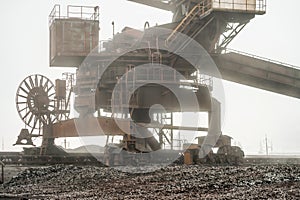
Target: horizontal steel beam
259, 73
172, 127
155, 3
90, 126
100, 126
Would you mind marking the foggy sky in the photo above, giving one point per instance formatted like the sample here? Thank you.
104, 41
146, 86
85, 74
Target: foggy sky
250, 113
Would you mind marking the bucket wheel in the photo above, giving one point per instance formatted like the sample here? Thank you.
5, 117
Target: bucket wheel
35, 101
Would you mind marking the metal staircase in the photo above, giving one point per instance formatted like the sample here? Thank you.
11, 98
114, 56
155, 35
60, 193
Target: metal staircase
200, 11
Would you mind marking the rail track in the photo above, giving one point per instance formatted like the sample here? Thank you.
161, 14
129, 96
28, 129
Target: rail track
18, 158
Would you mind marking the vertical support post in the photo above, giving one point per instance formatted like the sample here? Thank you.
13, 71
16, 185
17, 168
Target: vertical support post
59, 11
113, 26
161, 138
2, 172
2, 143
48, 140
179, 141
65, 143
172, 131
267, 150
160, 133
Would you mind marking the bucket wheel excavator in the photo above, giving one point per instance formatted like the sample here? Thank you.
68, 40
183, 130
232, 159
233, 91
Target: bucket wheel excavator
101, 68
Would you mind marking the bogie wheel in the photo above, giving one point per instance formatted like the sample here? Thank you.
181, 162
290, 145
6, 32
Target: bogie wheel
35, 101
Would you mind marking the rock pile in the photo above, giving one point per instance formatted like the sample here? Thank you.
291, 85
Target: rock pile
173, 182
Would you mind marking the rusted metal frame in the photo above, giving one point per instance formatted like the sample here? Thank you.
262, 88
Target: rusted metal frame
73, 127
204, 7
69, 97
169, 141
170, 127
185, 128
192, 36
195, 34
171, 133
159, 132
182, 25
227, 39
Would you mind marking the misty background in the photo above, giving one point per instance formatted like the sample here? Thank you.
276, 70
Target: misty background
251, 114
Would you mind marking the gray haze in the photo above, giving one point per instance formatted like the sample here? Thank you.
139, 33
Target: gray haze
250, 113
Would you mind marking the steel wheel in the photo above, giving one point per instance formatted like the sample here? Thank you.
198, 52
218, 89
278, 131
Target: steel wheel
35, 101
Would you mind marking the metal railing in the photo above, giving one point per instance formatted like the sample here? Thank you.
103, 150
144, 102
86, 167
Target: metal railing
200, 10
81, 12
243, 5
261, 58
159, 75
55, 13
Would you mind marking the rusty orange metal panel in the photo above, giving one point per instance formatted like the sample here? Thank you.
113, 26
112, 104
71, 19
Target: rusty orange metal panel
90, 126
188, 158
71, 40
60, 89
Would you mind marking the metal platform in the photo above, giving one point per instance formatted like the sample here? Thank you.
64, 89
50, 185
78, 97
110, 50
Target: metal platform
72, 36
253, 6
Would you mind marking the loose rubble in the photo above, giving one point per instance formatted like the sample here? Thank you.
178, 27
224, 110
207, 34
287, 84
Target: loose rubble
173, 182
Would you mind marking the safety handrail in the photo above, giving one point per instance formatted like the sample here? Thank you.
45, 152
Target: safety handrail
81, 12
55, 13
204, 7
255, 5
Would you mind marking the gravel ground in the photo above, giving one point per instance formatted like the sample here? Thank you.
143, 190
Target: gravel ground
11, 171
173, 182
